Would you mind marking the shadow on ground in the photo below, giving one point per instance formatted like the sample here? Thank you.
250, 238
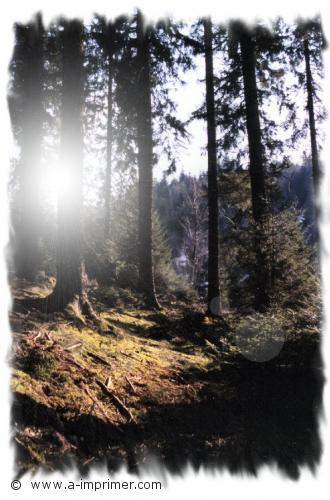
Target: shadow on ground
244, 416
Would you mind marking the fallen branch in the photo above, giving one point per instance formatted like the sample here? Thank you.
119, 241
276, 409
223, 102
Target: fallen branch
117, 402
48, 335
97, 404
35, 456
70, 359
130, 384
130, 356
37, 336
98, 358
213, 348
88, 461
73, 346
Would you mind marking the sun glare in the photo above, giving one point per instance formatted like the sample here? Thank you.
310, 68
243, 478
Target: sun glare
57, 182
62, 181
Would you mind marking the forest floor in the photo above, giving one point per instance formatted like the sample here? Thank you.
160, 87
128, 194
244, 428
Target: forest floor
167, 384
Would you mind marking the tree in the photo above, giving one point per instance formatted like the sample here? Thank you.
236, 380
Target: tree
304, 44
301, 47
194, 224
26, 107
214, 303
310, 107
246, 132
145, 165
111, 37
148, 66
310, 38
69, 286
106, 129
247, 44
107, 185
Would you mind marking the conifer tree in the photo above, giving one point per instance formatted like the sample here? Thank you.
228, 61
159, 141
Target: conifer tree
145, 164
150, 61
26, 107
69, 286
214, 303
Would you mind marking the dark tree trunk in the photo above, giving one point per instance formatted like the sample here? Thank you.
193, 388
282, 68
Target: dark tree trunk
145, 165
69, 280
214, 303
26, 246
312, 131
257, 169
311, 116
108, 172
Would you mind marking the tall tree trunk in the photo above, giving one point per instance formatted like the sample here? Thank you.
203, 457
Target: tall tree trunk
312, 131
214, 303
145, 165
108, 172
27, 236
69, 280
311, 116
257, 172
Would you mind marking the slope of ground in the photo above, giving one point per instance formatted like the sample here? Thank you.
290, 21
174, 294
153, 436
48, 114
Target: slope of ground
168, 384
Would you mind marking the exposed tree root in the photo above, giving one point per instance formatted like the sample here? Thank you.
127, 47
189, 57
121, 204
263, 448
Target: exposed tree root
56, 303
152, 303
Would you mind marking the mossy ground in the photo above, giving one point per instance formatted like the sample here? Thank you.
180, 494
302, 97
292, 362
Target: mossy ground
188, 392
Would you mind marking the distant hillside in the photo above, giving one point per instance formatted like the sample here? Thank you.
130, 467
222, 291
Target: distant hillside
172, 198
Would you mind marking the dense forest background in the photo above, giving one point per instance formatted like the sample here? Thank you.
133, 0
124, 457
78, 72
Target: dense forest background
106, 220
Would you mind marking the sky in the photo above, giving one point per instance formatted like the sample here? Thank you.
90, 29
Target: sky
192, 159
188, 98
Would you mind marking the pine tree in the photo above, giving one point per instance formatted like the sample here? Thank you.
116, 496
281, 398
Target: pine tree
149, 63
27, 114
214, 302
111, 38
256, 158
304, 53
69, 286
145, 165
305, 42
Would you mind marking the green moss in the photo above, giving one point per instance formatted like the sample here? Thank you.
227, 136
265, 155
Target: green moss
65, 380
21, 381
39, 363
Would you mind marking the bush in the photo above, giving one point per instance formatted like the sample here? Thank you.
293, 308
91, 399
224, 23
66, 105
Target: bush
291, 262
260, 337
120, 253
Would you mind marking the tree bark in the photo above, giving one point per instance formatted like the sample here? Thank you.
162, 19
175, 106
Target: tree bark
26, 246
311, 116
214, 303
257, 169
69, 280
108, 172
145, 165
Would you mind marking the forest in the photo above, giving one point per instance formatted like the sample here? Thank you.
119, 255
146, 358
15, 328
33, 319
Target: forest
166, 303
